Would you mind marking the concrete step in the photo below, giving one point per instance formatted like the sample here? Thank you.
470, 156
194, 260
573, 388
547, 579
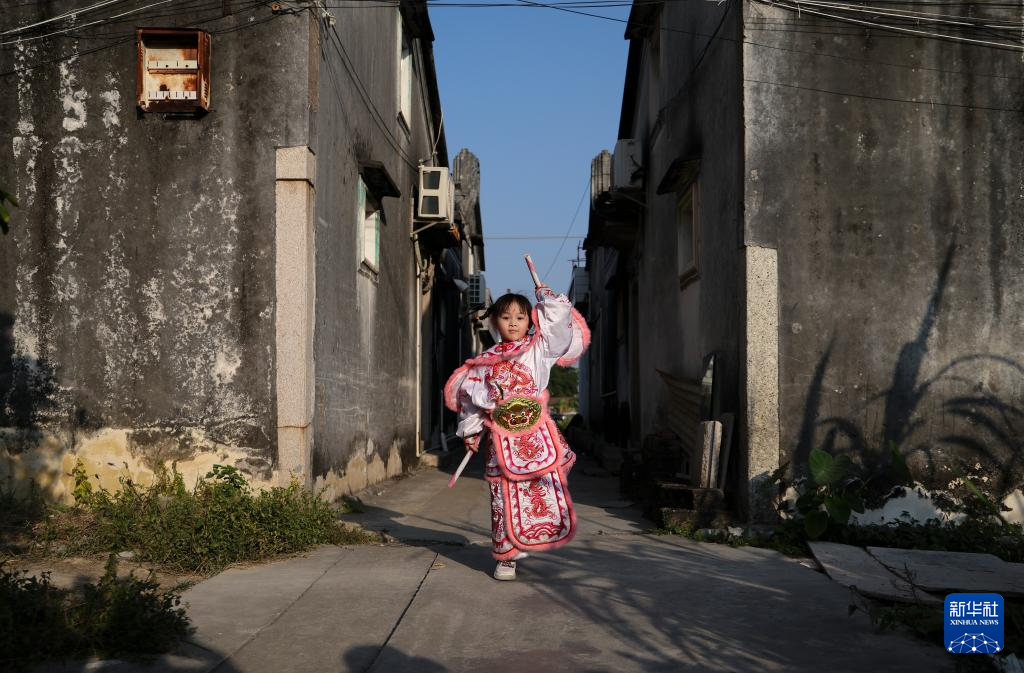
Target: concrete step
715, 518
684, 496
442, 460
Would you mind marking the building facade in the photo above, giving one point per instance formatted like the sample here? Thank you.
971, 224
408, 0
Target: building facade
222, 262
833, 212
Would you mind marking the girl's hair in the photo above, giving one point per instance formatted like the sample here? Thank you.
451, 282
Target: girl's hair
505, 301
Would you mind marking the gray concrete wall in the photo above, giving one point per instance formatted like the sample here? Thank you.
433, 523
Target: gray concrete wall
365, 334
137, 298
899, 237
680, 116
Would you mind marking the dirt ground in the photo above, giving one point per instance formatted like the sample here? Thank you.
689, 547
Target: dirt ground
75, 571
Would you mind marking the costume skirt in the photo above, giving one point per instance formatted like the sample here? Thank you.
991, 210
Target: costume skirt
530, 511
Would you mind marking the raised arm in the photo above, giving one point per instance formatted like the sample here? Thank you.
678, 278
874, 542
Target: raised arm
554, 321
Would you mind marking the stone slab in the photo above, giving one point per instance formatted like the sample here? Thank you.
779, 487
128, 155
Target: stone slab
853, 567
953, 572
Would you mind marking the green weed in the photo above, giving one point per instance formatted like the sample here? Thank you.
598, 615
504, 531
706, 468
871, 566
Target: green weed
220, 521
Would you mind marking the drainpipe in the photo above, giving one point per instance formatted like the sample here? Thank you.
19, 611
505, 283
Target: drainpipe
417, 306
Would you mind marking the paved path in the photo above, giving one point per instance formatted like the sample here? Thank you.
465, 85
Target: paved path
615, 600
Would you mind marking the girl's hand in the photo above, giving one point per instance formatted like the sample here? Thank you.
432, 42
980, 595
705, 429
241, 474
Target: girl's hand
472, 443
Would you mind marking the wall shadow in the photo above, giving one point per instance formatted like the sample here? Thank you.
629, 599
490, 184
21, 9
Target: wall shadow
926, 417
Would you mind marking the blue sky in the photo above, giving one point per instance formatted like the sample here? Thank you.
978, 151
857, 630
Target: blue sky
535, 94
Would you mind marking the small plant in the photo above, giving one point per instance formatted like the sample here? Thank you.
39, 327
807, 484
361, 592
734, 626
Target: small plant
834, 489
223, 520
231, 476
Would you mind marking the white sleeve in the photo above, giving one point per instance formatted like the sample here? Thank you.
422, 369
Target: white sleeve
554, 318
475, 403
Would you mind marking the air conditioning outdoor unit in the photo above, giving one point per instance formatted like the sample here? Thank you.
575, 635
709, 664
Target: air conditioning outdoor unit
626, 163
580, 284
477, 293
437, 194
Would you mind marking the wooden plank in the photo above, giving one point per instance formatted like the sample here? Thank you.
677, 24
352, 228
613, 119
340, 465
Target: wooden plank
953, 572
711, 444
853, 567
728, 421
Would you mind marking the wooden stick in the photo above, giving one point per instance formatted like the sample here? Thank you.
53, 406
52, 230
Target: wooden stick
533, 272
462, 466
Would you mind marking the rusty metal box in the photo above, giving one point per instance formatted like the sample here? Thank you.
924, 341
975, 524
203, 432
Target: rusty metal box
173, 72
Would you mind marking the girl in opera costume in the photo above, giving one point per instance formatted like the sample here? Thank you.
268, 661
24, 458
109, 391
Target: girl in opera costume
501, 395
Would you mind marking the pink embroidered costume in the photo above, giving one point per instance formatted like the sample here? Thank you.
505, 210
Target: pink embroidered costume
504, 391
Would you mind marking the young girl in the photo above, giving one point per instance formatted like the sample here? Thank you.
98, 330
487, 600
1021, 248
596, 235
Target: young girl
502, 395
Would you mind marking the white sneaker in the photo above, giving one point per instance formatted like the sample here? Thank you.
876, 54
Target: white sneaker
505, 570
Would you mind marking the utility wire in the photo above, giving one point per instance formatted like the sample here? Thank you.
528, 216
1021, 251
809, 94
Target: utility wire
22, 40
928, 103
568, 231
131, 38
74, 12
367, 99
796, 6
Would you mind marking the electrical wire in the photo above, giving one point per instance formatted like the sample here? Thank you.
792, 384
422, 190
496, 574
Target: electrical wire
76, 12
928, 103
22, 40
364, 94
253, 4
796, 6
568, 231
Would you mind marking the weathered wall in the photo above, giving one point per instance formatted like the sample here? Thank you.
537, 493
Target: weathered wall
365, 339
680, 116
136, 299
899, 237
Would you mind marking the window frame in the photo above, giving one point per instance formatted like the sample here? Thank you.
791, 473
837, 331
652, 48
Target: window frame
366, 201
688, 198
404, 75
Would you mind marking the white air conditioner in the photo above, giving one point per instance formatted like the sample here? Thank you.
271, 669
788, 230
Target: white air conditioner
437, 194
477, 293
626, 164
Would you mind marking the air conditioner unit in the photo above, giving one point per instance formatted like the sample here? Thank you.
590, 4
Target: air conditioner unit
580, 284
626, 164
477, 293
437, 194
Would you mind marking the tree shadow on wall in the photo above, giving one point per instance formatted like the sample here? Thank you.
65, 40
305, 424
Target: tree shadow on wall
924, 415
27, 391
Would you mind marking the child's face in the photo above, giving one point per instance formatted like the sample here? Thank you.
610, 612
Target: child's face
513, 323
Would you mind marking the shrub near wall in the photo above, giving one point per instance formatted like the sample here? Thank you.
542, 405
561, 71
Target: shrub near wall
219, 522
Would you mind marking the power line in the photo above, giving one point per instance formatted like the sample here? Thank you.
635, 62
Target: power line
75, 12
567, 231
796, 6
885, 98
367, 98
22, 40
131, 37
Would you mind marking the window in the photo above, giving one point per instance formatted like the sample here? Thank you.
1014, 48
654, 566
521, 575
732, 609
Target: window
687, 229
368, 219
404, 76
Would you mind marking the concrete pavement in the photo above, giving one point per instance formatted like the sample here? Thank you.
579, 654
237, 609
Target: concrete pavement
614, 600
